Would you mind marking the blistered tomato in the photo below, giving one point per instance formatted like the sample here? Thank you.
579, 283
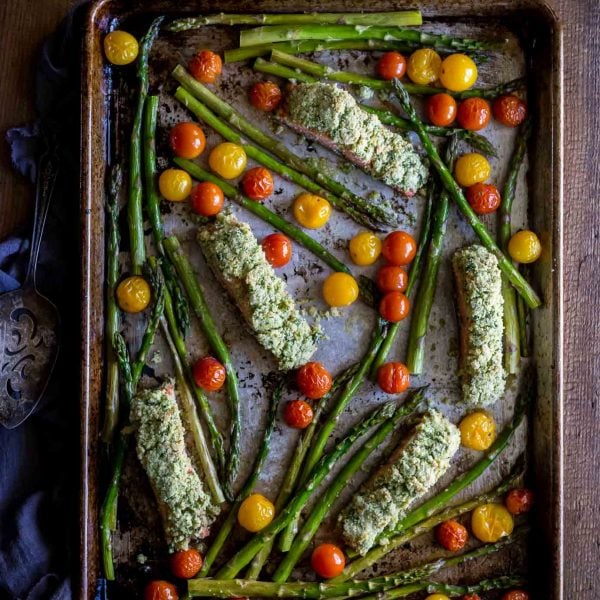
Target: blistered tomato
516, 595
471, 168
458, 73
314, 380
255, 513
187, 140
524, 247
477, 430
160, 590
209, 374
399, 248
391, 65
394, 307
278, 249
227, 160
257, 183
133, 294
424, 66
473, 114
365, 248
206, 66
519, 501
340, 289
490, 522
484, 198
509, 110
327, 560
174, 184
393, 378
441, 109
311, 211
120, 47
391, 278
206, 199
298, 414
265, 95
452, 535
186, 564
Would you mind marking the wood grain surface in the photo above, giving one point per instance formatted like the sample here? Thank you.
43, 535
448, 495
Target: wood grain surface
25, 24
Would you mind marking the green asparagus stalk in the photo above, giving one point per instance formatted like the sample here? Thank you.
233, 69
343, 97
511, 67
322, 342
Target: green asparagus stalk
209, 328
294, 506
505, 264
523, 337
134, 203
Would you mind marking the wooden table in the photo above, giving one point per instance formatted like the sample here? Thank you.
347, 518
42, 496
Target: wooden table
27, 22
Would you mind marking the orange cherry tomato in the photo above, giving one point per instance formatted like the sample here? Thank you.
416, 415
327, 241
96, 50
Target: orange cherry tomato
327, 560
257, 183
473, 114
509, 110
399, 248
160, 590
394, 307
391, 65
393, 378
484, 198
516, 595
206, 66
441, 109
278, 249
207, 199
471, 597
519, 501
186, 564
209, 374
452, 535
391, 278
298, 414
265, 95
187, 140
314, 380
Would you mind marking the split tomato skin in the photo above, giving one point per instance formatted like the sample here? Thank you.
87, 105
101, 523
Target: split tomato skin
209, 374
473, 114
206, 66
484, 198
391, 65
265, 96
327, 560
278, 249
298, 414
314, 380
393, 378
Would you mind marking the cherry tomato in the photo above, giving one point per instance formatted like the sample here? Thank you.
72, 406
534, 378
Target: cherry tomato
160, 590
265, 95
424, 66
524, 247
298, 414
133, 294
206, 66
490, 522
393, 378
399, 248
327, 560
227, 160
187, 140
441, 109
186, 564
451, 535
255, 513
516, 595
174, 184
391, 65
394, 307
278, 249
311, 211
209, 374
473, 114
477, 430
314, 380
509, 110
484, 198
437, 597
519, 501
471, 597
257, 183
391, 278
471, 168
207, 199
120, 47
365, 248
340, 289
458, 72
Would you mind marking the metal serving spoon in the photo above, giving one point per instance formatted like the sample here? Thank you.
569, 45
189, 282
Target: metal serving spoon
28, 322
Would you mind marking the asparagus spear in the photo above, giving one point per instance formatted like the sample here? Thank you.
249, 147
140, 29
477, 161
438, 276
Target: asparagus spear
134, 203
523, 337
505, 264
209, 328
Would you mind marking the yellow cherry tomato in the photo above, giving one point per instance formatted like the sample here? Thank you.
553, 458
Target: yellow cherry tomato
423, 66
490, 522
311, 211
477, 430
133, 294
458, 72
525, 247
340, 289
471, 168
120, 47
255, 513
437, 597
175, 184
228, 160
365, 248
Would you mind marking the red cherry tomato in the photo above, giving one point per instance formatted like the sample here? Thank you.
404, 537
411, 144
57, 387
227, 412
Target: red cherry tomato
187, 140
484, 198
298, 414
516, 595
452, 535
473, 114
471, 597
519, 501
314, 380
391, 278
265, 95
160, 590
186, 564
393, 378
509, 110
206, 199
391, 65
209, 374
394, 307
257, 183
327, 560
441, 109
278, 249
399, 248
206, 66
